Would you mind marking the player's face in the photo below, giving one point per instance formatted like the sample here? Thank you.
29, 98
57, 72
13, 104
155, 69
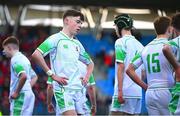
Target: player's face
75, 24
7, 51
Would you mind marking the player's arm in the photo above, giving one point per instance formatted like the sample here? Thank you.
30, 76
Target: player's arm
132, 74
37, 56
172, 60
85, 58
90, 68
49, 94
120, 70
39, 59
143, 73
50, 105
19, 70
136, 63
120, 54
92, 95
91, 89
169, 56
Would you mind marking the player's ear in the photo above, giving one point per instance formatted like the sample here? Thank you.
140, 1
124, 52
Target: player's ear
170, 29
66, 20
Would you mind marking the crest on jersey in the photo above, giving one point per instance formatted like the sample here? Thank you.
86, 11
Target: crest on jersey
77, 49
65, 46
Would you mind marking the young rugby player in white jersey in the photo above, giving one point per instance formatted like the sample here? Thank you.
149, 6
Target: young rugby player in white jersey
22, 79
127, 94
65, 53
158, 71
172, 53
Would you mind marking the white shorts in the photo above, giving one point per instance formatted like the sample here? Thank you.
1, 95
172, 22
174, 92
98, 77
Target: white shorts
157, 101
23, 105
69, 100
131, 105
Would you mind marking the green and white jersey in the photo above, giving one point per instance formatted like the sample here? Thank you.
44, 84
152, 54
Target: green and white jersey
20, 64
82, 67
125, 49
158, 70
175, 46
65, 53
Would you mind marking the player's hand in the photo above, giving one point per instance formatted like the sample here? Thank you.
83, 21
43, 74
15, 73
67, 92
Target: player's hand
120, 98
60, 80
93, 110
84, 80
50, 108
14, 95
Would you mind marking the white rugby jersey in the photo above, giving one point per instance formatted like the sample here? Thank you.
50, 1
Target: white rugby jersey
65, 53
158, 70
19, 64
125, 49
82, 67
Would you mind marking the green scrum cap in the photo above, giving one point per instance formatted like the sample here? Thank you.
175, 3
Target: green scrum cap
123, 21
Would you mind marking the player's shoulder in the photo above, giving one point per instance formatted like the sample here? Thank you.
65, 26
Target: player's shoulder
177, 39
55, 36
77, 41
118, 41
21, 59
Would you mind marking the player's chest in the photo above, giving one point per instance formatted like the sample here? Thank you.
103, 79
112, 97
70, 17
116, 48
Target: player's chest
68, 47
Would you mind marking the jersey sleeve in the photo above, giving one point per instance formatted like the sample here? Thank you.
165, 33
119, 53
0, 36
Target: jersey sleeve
18, 68
47, 46
91, 80
137, 61
120, 52
84, 57
49, 81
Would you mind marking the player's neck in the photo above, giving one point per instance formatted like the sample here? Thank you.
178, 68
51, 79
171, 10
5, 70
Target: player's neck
67, 32
162, 36
14, 52
125, 32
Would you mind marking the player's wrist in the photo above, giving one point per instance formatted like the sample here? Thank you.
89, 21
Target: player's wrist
49, 73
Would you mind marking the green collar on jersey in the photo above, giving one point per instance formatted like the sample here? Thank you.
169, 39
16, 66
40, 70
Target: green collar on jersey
65, 35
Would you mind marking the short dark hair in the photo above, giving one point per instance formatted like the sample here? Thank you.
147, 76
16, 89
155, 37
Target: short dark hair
11, 40
161, 24
176, 21
73, 13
